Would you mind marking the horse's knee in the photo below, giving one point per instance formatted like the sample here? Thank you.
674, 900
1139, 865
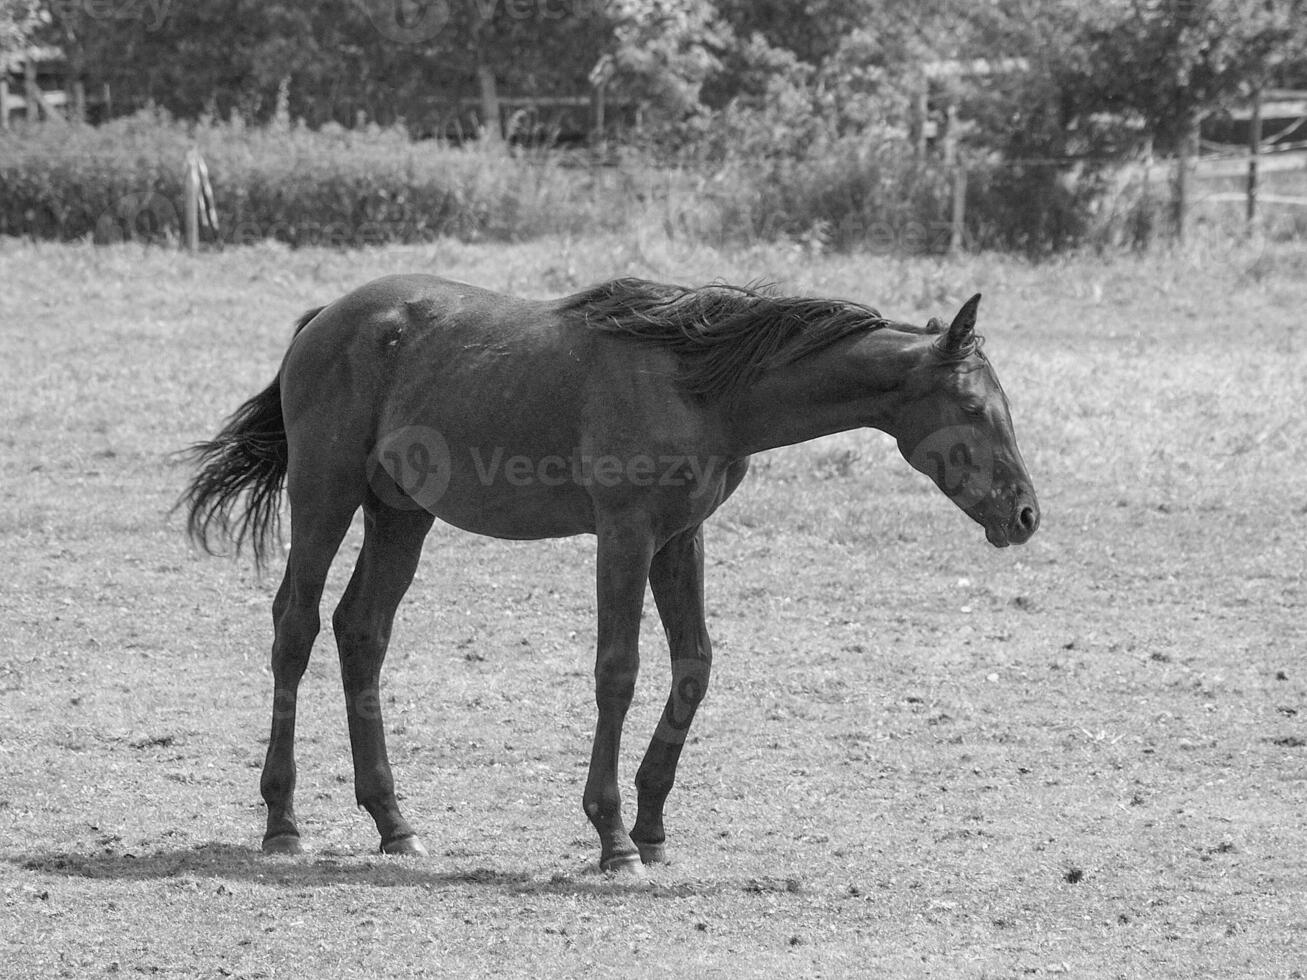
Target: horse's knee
295, 618
360, 642
690, 678
615, 680
655, 781
291, 649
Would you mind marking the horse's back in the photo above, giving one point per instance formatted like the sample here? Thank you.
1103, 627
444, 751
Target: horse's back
406, 330
390, 312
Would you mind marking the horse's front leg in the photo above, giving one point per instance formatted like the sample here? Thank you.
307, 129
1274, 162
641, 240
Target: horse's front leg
625, 550
676, 576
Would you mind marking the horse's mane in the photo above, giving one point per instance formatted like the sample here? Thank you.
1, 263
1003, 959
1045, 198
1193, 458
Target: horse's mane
725, 337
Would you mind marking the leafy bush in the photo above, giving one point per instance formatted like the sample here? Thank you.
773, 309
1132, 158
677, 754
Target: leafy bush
852, 196
1036, 208
825, 163
830, 160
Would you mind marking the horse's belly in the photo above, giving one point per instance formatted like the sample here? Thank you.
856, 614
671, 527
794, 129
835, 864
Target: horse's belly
513, 506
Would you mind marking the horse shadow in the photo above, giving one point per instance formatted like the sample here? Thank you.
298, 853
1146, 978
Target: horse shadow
225, 862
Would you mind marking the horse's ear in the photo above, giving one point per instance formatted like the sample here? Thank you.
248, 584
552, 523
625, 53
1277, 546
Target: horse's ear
934, 325
962, 330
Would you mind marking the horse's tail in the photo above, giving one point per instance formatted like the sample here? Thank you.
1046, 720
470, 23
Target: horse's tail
247, 458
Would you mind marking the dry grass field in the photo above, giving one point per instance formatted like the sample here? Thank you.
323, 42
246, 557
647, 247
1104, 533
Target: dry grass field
920, 757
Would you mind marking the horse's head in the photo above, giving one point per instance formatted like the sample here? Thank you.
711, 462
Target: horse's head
954, 426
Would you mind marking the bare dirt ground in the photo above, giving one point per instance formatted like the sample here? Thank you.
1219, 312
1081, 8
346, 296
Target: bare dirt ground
920, 756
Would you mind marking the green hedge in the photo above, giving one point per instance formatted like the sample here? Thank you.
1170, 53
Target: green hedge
331, 187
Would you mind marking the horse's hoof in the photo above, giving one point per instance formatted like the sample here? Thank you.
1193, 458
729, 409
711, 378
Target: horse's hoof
622, 864
410, 846
652, 853
283, 844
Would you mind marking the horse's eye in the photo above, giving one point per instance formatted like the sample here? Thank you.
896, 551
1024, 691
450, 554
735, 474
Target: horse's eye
974, 410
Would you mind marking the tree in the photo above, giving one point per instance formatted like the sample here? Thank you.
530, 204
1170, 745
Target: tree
662, 52
20, 20
386, 60
1174, 62
812, 32
537, 48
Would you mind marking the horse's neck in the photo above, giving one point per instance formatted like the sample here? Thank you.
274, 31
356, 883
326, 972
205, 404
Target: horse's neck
852, 384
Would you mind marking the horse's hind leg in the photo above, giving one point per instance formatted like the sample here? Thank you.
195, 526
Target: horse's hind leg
392, 546
318, 523
676, 577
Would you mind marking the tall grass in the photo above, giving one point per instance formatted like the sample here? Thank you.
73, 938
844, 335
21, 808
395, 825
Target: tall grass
302, 187
349, 188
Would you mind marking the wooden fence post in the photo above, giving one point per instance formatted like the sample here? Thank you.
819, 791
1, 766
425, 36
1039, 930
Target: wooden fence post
600, 75
958, 222
1146, 192
198, 204
1188, 149
36, 106
958, 174
1180, 202
1254, 150
191, 200
920, 119
77, 100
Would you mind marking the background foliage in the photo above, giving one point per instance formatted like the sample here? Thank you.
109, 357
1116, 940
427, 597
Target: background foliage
329, 186
800, 120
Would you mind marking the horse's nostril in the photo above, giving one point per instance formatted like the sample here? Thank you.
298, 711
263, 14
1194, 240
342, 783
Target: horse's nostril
1028, 519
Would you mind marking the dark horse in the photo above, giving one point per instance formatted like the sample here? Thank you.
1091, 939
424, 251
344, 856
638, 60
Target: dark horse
628, 411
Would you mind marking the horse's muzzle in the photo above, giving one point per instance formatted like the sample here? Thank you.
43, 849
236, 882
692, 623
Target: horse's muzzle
1017, 529
1025, 524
